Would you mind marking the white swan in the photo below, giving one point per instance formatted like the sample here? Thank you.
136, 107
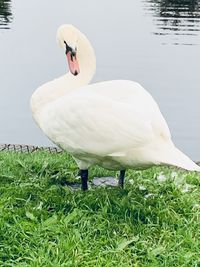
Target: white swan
115, 124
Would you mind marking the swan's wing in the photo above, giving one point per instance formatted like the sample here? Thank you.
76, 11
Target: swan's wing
134, 94
91, 123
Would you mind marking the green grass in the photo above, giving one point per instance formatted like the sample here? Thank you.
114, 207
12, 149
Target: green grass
45, 223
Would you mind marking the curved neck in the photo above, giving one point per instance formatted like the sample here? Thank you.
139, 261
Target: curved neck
59, 87
87, 60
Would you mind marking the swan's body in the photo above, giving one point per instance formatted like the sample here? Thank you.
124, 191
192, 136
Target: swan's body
115, 124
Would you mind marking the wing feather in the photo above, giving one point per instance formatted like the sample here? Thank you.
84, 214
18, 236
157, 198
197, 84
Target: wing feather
95, 124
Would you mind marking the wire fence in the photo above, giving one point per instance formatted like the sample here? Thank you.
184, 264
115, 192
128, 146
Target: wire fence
28, 148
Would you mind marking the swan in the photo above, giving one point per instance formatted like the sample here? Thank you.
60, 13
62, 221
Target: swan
114, 124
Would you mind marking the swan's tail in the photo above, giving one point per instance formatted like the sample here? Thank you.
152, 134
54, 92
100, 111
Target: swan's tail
173, 156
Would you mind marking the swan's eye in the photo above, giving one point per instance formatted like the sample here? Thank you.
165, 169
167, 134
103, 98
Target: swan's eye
68, 48
73, 53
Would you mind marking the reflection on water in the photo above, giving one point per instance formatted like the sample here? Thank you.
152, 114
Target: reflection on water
5, 14
178, 19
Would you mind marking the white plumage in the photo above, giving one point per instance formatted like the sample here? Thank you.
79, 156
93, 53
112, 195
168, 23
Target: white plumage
115, 124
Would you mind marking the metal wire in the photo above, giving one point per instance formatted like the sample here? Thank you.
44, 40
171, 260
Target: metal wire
28, 148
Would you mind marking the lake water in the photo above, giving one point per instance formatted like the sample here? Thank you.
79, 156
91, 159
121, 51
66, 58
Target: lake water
159, 41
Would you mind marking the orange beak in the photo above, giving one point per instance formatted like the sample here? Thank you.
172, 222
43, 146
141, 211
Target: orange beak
73, 63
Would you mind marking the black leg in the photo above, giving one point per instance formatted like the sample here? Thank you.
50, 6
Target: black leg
84, 179
121, 178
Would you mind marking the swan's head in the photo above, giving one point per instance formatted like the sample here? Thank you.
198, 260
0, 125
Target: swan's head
68, 36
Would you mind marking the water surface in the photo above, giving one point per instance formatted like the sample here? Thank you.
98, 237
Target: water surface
5, 14
158, 40
177, 21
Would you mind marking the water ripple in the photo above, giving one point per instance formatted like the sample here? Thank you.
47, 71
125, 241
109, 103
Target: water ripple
5, 14
175, 19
